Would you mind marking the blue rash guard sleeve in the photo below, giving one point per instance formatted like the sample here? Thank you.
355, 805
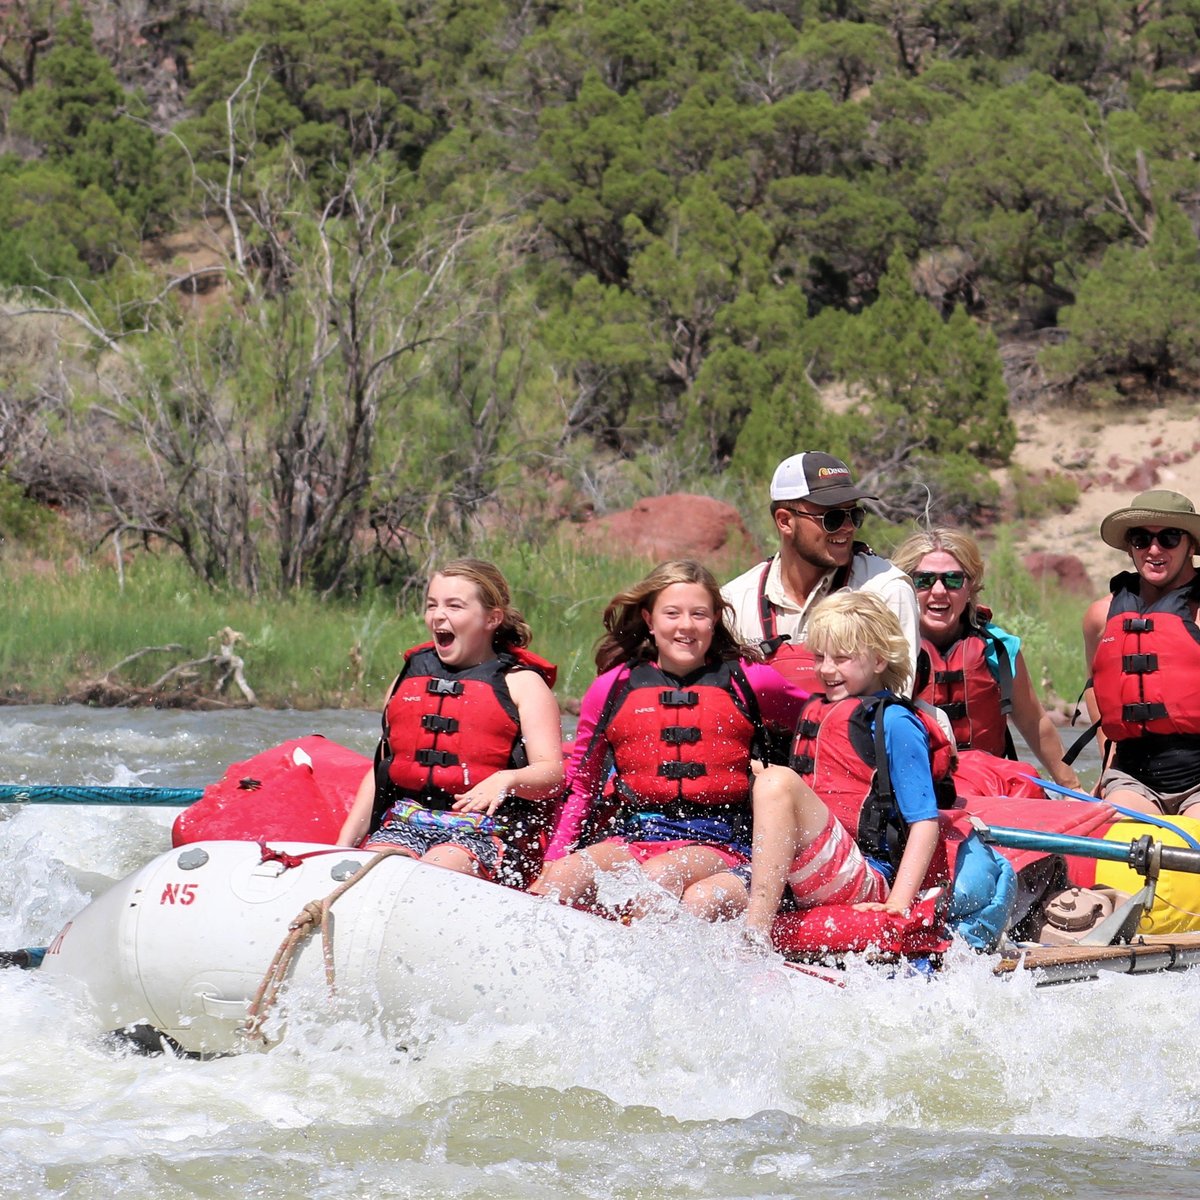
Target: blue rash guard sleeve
907, 747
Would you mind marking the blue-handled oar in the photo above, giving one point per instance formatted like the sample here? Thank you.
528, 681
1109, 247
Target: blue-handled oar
1145, 818
1135, 854
16, 793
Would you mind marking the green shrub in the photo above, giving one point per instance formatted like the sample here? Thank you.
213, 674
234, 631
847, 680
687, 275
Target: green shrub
1036, 495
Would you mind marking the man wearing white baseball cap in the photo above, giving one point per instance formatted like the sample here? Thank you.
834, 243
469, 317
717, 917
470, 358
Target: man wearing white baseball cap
1143, 652
816, 509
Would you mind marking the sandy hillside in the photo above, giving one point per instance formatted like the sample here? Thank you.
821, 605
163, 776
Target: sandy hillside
1112, 459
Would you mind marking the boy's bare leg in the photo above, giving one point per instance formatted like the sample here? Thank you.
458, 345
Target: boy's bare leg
788, 816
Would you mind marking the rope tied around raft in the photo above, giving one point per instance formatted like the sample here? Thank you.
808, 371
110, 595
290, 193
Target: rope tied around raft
313, 916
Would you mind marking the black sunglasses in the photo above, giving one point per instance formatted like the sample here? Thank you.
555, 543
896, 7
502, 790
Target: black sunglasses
832, 519
952, 581
1140, 539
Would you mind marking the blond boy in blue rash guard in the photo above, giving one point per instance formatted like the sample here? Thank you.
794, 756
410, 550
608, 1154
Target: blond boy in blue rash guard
882, 838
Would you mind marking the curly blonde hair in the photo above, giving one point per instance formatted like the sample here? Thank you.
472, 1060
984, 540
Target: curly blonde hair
858, 623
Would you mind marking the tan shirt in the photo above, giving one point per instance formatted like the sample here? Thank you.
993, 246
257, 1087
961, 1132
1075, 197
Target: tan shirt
868, 573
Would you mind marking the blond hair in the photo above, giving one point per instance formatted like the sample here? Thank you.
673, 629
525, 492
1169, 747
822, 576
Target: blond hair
959, 544
628, 636
859, 624
493, 592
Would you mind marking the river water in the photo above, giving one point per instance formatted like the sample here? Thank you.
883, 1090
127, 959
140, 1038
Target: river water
703, 1075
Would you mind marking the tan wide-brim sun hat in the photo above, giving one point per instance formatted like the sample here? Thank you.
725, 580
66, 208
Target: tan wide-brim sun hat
1167, 510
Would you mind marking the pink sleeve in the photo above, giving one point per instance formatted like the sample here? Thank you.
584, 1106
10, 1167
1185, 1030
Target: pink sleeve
779, 700
585, 772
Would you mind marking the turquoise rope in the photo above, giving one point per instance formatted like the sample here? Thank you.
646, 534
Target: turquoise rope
15, 793
1145, 818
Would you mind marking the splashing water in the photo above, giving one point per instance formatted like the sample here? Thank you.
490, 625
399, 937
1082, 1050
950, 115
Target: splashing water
678, 1067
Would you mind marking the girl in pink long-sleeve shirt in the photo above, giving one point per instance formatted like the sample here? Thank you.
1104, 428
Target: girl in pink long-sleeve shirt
662, 769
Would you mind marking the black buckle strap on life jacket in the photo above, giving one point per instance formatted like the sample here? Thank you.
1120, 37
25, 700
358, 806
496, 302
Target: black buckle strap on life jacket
804, 764
677, 698
435, 723
1138, 624
681, 735
948, 676
682, 770
1139, 714
808, 728
879, 822
955, 710
1139, 664
768, 646
444, 687
435, 758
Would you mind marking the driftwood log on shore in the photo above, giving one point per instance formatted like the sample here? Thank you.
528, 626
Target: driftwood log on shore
198, 683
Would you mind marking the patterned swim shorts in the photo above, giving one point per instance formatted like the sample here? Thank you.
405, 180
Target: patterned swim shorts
414, 827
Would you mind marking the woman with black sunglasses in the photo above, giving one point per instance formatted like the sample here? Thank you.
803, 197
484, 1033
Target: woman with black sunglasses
970, 668
1143, 651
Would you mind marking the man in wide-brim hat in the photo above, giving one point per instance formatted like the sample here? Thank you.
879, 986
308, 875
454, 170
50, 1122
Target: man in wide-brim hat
1143, 651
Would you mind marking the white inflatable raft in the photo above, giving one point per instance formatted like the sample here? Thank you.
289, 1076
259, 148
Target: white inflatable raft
183, 944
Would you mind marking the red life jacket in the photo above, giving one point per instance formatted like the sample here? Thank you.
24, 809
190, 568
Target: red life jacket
841, 757
676, 744
444, 730
797, 664
960, 682
1147, 663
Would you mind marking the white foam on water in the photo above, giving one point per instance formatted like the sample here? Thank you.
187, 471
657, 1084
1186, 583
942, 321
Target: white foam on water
678, 1066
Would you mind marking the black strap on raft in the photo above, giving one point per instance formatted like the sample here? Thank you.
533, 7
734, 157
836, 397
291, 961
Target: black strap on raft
27, 960
1076, 747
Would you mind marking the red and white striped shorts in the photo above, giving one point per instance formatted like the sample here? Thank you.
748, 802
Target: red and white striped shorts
832, 870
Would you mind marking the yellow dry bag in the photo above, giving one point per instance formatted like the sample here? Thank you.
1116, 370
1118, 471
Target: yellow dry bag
1177, 896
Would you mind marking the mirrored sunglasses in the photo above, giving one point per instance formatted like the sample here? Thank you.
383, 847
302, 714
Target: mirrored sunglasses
832, 519
1140, 539
952, 581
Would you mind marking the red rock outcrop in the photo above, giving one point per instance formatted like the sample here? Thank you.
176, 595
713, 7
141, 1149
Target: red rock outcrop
676, 526
1064, 569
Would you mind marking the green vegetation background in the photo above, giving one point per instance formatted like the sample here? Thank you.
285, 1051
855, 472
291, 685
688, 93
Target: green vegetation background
300, 298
